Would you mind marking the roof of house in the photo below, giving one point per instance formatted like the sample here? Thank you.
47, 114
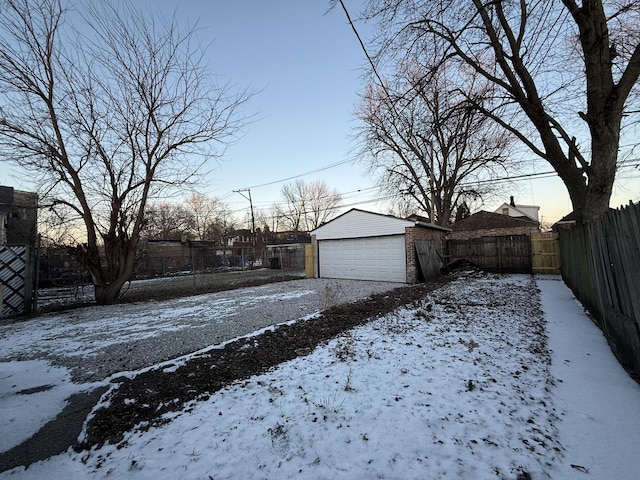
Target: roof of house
294, 239
520, 209
243, 231
486, 220
418, 218
569, 217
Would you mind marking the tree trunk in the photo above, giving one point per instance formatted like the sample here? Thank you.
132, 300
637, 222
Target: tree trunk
605, 103
108, 282
604, 147
577, 190
107, 294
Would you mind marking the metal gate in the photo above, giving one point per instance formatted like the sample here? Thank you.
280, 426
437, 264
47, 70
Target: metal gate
16, 280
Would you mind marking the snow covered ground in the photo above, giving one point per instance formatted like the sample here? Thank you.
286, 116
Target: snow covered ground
463, 385
96, 342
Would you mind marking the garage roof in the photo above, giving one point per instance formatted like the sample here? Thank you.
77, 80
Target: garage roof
359, 223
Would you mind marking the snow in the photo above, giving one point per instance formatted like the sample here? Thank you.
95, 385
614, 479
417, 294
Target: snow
598, 400
31, 393
68, 334
460, 386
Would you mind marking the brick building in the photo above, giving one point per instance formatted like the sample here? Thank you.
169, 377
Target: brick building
489, 224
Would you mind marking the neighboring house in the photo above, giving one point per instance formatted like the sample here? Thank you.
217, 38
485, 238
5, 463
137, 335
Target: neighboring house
18, 217
568, 221
363, 245
244, 246
418, 218
512, 209
18, 242
290, 236
488, 224
241, 241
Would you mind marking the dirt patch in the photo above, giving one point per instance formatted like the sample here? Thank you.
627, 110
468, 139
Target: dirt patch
141, 402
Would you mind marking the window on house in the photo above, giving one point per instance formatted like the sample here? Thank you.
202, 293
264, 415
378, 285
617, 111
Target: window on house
505, 211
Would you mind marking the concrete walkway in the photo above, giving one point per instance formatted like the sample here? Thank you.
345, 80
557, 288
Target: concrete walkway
598, 402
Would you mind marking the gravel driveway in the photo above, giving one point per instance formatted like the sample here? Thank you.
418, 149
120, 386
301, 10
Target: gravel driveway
96, 342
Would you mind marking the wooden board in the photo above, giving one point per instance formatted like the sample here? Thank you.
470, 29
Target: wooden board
428, 258
545, 253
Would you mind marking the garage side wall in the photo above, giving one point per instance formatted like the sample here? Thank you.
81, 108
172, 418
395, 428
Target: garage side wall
419, 233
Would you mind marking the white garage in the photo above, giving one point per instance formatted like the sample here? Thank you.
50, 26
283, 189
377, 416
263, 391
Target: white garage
373, 258
363, 245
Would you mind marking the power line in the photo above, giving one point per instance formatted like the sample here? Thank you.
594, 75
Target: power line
526, 176
631, 163
321, 169
364, 48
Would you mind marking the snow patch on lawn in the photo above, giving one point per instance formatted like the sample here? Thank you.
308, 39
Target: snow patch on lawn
88, 331
459, 385
31, 393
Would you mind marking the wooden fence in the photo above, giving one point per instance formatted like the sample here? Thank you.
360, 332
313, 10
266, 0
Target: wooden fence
601, 264
504, 254
545, 253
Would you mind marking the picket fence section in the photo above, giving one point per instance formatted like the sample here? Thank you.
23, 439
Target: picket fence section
601, 265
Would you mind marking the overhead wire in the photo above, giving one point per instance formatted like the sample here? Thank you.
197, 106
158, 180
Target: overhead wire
514, 178
321, 169
538, 175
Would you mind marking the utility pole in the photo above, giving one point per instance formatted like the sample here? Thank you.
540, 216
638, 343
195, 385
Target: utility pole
253, 219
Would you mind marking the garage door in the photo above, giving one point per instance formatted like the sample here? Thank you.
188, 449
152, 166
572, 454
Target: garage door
373, 258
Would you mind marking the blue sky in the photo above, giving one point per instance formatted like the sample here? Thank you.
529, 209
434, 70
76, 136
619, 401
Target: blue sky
306, 64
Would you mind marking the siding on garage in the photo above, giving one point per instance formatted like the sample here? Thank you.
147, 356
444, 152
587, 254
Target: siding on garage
372, 246
371, 258
360, 224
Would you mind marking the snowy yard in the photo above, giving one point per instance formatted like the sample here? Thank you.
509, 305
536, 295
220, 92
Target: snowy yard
489, 377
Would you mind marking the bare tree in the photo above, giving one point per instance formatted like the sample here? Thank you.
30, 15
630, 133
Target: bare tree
166, 221
55, 229
306, 206
423, 139
563, 74
268, 218
291, 210
207, 213
322, 203
222, 228
107, 117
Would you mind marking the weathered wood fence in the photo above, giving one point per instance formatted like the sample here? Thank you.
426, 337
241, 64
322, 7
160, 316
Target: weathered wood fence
601, 265
504, 254
429, 260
